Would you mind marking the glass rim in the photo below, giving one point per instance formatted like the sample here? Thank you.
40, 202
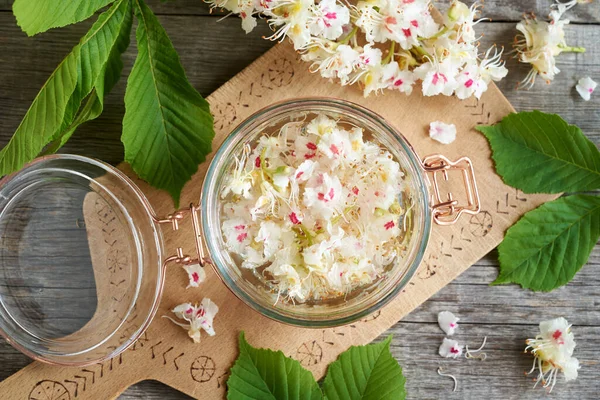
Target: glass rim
55, 358
245, 128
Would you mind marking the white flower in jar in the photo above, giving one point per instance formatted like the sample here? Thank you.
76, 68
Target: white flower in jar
323, 195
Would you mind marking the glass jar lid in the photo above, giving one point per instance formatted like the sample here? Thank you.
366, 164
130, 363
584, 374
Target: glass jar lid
80, 260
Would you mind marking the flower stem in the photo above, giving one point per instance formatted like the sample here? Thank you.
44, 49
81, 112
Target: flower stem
349, 36
572, 49
439, 33
390, 56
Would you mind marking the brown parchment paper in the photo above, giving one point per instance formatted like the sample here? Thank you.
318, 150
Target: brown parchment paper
166, 354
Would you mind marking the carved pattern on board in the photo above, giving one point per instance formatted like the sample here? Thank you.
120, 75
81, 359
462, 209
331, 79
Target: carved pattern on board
49, 390
203, 369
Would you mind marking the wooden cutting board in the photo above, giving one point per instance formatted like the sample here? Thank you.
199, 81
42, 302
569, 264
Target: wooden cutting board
166, 354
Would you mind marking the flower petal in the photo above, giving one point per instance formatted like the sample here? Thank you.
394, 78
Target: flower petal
443, 133
585, 87
196, 274
448, 322
450, 349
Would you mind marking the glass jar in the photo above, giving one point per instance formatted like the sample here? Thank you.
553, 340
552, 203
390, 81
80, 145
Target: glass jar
82, 259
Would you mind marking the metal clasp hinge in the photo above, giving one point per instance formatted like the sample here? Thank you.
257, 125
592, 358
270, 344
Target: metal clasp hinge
448, 211
175, 219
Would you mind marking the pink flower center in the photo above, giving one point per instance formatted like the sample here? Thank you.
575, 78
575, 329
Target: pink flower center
308, 156
398, 82
454, 350
189, 310
414, 23
321, 196
294, 218
469, 83
437, 76
407, 32
241, 237
240, 227
330, 15
591, 90
453, 325
355, 190
389, 225
311, 146
257, 162
299, 174
201, 312
557, 335
334, 149
195, 276
331, 194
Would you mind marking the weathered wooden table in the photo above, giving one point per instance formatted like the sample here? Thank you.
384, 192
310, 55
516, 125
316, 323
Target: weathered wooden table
212, 51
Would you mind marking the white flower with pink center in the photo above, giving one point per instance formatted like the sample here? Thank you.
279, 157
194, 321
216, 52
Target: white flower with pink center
377, 26
448, 322
339, 41
328, 19
450, 349
438, 78
553, 352
289, 18
441, 132
196, 274
397, 79
325, 197
339, 63
236, 233
585, 87
335, 144
197, 318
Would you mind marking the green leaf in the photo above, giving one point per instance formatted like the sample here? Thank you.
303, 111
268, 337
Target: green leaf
365, 372
53, 114
36, 16
548, 245
269, 375
168, 128
541, 153
99, 70
44, 117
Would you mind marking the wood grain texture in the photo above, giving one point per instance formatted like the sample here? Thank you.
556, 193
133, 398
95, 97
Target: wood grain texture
213, 52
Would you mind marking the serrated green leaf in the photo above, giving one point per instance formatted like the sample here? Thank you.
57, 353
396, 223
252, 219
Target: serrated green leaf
168, 128
99, 69
540, 153
548, 245
36, 16
365, 372
44, 117
54, 114
269, 375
